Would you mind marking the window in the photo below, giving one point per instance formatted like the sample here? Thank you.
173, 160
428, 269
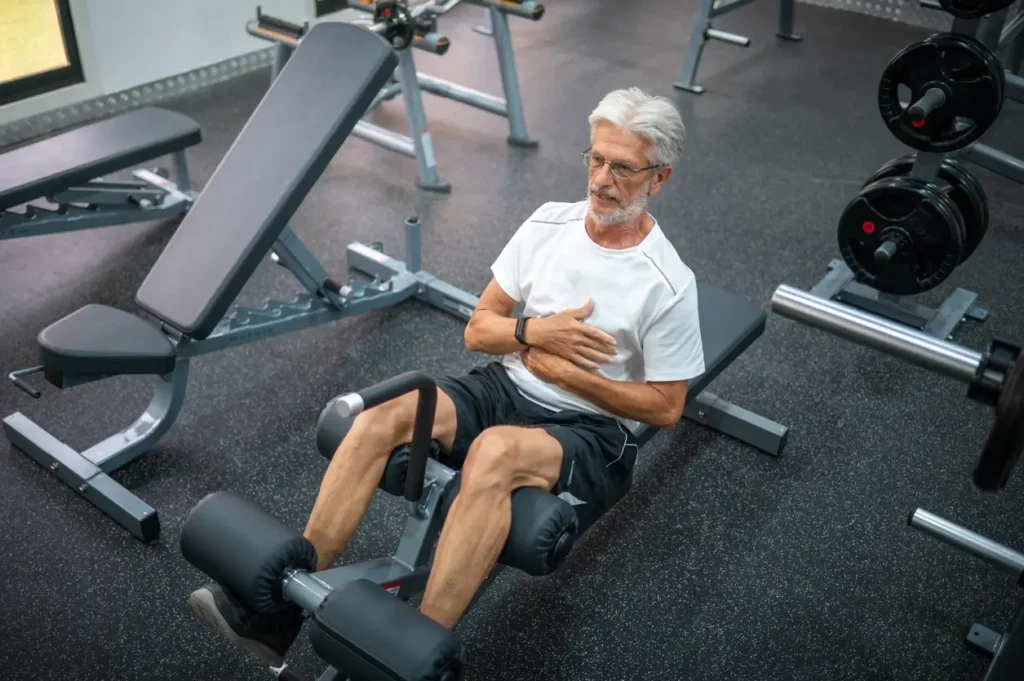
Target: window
38, 52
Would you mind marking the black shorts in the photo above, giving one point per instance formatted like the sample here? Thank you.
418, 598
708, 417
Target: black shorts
598, 452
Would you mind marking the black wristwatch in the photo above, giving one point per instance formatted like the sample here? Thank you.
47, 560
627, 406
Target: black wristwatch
521, 330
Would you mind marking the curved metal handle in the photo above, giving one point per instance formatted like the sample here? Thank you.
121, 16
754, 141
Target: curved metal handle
24, 385
352, 404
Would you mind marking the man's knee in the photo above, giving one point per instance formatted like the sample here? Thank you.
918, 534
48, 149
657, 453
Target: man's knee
378, 430
497, 462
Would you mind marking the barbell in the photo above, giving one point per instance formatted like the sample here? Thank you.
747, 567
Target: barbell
995, 377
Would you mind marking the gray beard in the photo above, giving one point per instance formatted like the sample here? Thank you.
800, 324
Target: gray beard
622, 214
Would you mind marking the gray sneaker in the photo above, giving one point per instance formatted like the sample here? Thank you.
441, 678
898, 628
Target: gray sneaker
268, 637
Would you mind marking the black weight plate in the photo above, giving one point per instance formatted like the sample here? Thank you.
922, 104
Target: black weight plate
960, 185
1006, 439
969, 196
964, 70
952, 213
973, 9
996, 66
916, 216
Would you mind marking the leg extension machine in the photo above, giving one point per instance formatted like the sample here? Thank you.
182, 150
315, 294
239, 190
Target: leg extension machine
266, 564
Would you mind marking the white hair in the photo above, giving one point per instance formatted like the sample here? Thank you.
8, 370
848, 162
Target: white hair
655, 119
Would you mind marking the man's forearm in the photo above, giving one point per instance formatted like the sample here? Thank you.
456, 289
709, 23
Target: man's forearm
634, 401
492, 333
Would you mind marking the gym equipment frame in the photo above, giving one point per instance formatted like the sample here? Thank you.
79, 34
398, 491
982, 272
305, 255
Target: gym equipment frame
53, 185
410, 83
702, 31
1000, 35
995, 377
992, 158
344, 67
959, 306
1006, 37
1007, 649
227, 537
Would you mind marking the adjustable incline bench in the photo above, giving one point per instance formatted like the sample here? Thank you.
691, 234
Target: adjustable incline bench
264, 563
240, 216
63, 170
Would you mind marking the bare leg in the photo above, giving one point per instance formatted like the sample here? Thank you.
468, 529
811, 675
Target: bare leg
501, 460
357, 466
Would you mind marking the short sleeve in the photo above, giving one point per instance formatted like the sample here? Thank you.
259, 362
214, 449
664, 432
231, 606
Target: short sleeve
507, 269
672, 347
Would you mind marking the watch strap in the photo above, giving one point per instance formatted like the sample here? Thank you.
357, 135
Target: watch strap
521, 330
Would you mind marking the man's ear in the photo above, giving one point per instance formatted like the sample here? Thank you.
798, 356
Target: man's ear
660, 178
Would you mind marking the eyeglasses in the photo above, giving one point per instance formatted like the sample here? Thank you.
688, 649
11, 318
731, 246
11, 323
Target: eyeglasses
621, 170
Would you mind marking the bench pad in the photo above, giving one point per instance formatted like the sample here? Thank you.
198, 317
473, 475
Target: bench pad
78, 156
98, 340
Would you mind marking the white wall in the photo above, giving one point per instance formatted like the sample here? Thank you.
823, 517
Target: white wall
124, 43
138, 42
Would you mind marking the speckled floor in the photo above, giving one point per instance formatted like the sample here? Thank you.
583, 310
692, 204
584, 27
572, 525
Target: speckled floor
722, 564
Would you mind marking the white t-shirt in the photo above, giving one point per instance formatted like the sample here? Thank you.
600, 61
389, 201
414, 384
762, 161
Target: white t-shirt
644, 296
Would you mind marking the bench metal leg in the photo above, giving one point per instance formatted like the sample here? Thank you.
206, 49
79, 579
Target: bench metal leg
485, 28
694, 49
181, 171
786, 21
418, 131
712, 411
510, 80
88, 472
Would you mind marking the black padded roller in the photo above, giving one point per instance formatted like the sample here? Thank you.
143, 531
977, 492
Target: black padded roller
331, 429
543, 529
243, 548
373, 636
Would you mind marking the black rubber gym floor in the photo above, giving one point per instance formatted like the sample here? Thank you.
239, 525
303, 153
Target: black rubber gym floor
722, 564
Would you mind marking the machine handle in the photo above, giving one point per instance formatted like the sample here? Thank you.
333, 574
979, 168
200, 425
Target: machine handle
969, 542
24, 385
528, 9
254, 29
352, 404
435, 43
872, 331
280, 25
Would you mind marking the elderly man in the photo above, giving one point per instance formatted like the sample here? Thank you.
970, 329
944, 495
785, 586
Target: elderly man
608, 340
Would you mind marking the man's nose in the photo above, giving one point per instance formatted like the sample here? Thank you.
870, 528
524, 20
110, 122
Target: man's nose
603, 176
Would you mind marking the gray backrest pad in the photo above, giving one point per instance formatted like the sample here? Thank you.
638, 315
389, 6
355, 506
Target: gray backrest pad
309, 110
729, 324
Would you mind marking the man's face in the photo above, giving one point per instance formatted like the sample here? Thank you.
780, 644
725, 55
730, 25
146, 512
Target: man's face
614, 200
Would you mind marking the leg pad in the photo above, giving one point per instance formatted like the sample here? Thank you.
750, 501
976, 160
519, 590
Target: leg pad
369, 634
245, 549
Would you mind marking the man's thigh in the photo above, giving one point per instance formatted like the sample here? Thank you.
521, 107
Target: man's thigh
480, 401
598, 456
